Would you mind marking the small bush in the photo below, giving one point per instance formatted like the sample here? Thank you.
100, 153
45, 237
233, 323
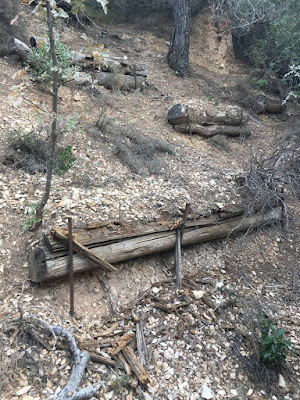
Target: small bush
259, 84
25, 151
65, 161
274, 346
31, 220
40, 63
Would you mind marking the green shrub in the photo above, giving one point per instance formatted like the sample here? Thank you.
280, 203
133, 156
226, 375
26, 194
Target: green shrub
31, 220
274, 346
259, 84
279, 43
40, 63
65, 161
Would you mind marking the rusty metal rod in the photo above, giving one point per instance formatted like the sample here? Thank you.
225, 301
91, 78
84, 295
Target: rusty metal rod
71, 271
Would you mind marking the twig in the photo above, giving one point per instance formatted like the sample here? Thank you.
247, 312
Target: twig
106, 286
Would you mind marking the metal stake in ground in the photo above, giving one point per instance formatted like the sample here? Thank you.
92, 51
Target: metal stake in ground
179, 237
71, 271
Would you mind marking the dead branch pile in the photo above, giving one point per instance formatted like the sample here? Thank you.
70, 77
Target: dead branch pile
271, 176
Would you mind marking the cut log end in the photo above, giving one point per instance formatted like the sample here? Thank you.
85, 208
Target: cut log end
38, 265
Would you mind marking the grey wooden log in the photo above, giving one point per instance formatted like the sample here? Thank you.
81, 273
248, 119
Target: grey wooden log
197, 115
18, 47
44, 267
213, 130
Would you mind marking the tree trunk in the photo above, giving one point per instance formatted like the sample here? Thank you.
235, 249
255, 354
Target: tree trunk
178, 56
53, 135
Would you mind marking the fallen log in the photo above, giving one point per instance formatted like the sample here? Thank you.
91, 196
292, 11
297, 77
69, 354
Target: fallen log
223, 115
100, 233
20, 48
45, 266
213, 130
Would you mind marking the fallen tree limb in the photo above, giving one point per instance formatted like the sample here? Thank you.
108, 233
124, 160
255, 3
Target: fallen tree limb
81, 358
45, 266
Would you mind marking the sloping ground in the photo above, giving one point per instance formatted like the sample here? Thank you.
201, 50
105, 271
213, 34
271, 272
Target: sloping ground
190, 346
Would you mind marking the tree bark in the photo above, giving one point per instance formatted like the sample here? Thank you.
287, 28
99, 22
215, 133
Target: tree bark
45, 266
178, 56
53, 135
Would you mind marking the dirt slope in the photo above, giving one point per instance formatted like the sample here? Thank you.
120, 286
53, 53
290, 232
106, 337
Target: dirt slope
192, 346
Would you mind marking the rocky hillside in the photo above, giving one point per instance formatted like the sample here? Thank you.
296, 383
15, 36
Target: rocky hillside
132, 166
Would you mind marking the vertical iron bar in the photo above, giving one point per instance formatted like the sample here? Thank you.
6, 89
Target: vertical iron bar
71, 271
178, 260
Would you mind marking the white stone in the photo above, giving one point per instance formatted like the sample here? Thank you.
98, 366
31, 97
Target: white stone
281, 381
22, 391
205, 392
155, 290
198, 294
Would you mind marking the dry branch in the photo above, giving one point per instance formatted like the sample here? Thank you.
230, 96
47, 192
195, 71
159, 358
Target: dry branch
136, 365
140, 340
70, 391
45, 265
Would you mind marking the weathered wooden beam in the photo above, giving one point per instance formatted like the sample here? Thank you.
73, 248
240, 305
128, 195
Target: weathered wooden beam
45, 266
84, 251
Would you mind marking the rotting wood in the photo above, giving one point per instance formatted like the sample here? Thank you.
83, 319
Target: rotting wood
44, 266
121, 343
223, 120
124, 363
106, 342
120, 81
213, 130
101, 233
222, 115
136, 365
94, 258
104, 360
140, 340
